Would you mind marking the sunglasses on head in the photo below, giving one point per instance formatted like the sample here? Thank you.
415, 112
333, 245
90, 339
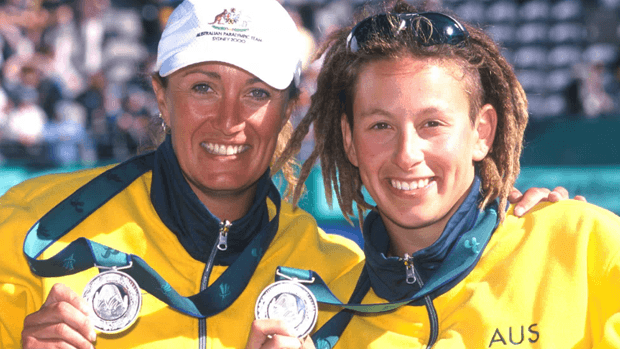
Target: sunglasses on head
427, 28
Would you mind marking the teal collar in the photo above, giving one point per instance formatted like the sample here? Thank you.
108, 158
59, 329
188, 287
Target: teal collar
190, 220
388, 274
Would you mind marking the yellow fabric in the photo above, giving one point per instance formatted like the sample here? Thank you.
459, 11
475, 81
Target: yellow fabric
548, 280
129, 223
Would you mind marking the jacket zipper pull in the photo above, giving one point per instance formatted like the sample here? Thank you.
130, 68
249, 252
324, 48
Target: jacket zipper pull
222, 243
409, 269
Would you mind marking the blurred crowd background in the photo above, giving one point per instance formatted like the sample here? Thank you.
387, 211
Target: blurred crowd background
75, 88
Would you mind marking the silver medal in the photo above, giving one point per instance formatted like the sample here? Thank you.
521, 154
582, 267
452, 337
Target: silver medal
289, 301
115, 300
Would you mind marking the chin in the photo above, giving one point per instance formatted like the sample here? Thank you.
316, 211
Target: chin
215, 184
410, 220
225, 187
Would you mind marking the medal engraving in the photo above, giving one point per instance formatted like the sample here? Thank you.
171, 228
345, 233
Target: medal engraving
115, 300
289, 301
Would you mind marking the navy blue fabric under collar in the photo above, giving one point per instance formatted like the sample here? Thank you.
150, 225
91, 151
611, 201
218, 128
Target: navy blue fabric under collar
186, 216
388, 274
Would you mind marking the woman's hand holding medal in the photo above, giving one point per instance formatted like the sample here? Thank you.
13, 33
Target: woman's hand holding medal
274, 333
62, 322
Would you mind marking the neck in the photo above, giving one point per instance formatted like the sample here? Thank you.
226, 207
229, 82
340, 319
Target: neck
404, 240
230, 205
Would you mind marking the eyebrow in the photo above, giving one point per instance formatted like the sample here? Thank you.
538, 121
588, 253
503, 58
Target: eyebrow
204, 72
217, 76
375, 111
255, 80
383, 112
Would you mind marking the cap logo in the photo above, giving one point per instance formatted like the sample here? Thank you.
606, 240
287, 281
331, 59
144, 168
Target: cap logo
230, 26
230, 19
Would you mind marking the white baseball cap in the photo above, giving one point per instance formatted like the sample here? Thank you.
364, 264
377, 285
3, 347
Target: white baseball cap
257, 36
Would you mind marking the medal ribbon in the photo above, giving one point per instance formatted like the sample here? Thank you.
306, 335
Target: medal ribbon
465, 253
83, 254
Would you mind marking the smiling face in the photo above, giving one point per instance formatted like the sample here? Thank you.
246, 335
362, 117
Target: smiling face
224, 126
414, 143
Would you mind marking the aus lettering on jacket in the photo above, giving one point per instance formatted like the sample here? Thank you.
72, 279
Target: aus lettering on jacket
515, 335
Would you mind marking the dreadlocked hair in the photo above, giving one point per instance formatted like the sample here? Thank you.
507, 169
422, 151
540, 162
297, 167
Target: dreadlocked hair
488, 77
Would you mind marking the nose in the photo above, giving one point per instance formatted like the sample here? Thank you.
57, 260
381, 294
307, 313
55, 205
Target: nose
408, 150
229, 119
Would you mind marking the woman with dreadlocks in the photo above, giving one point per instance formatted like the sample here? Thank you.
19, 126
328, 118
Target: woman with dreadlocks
426, 114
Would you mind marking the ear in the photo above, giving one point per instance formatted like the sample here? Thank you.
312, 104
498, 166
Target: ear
486, 124
347, 140
160, 95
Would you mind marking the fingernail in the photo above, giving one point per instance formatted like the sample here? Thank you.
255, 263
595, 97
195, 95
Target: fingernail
518, 211
92, 336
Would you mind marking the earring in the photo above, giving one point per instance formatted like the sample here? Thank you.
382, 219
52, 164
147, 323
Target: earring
164, 127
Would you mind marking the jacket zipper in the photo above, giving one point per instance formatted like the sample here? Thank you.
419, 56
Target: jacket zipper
410, 270
220, 245
412, 277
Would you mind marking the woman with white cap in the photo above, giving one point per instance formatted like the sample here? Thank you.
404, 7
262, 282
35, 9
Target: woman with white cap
197, 224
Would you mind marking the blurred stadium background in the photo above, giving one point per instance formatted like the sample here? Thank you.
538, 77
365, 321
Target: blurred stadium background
74, 88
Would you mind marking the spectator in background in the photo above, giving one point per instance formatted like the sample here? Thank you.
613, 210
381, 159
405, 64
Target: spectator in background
132, 125
50, 87
595, 100
614, 86
334, 15
586, 95
68, 141
96, 122
25, 121
92, 27
574, 105
21, 25
64, 40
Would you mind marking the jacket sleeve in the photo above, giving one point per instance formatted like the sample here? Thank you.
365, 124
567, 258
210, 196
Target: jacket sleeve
604, 280
20, 290
609, 325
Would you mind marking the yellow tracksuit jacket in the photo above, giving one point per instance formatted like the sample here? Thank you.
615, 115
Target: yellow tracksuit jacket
550, 279
129, 223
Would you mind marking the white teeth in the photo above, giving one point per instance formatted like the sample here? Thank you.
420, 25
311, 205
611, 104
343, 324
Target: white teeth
410, 186
220, 149
422, 183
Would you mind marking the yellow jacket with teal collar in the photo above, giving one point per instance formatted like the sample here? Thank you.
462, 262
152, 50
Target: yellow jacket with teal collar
550, 279
130, 223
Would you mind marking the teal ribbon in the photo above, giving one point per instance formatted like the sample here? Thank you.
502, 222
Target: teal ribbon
83, 254
465, 253
328, 335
